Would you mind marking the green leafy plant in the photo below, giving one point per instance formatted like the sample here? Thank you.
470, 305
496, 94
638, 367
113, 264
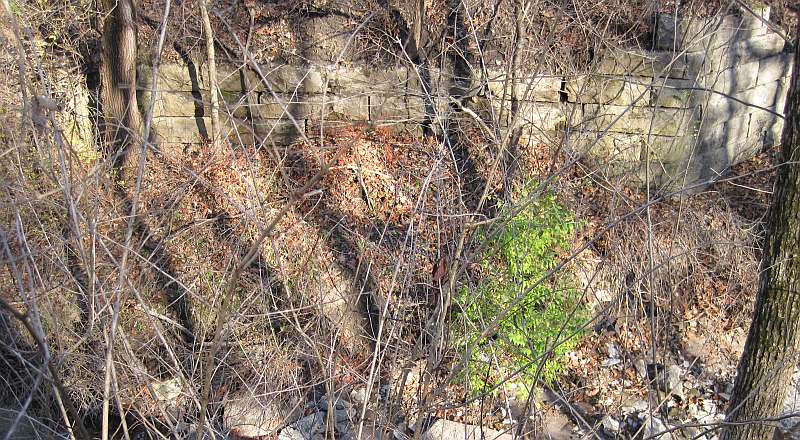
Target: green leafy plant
517, 258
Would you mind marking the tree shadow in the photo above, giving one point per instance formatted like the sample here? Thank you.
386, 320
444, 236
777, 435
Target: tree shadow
197, 96
462, 60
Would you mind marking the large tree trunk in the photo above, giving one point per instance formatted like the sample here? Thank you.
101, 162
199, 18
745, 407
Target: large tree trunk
770, 352
118, 75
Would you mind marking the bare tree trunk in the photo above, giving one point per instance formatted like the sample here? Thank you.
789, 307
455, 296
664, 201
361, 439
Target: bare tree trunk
414, 43
770, 352
212, 73
118, 74
511, 149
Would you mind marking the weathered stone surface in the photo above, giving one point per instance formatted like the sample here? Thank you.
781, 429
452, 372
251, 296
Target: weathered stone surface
315, 107
390, 108
736, 57
176, 77
392, 81
654, 428
280, 106
765, 127
194, 130
602, 89
637, 120
644, 63
756, 22
720, 107
673, 93
538, 88
181, 130
355, 107
613, 153
282, 132
734, 78
667, 149
544, 116
343, 79
184, 103
246, 417
283, 78
447, 430
728, 139
752, 49
775, 68
698, 34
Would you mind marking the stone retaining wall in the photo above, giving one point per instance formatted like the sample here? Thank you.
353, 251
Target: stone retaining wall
709, 97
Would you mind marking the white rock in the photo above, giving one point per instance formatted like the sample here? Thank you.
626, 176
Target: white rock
248, 417
168, 390
634, 405
447, 430
290, 433
359, 395
674, 380
612, 350
610, 424
654, 427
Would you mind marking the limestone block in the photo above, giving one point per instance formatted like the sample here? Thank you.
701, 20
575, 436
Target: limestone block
752, 49
314, 106
281, 105
698, 34
731, 136
623, 151
184, 103
536, 116
756, 24
719, 107
176, 103
174, 76
775, 68
391, 108
389, 82
668, 149
432, 80
333, 106
447, 430
638, 120
734, 78
765, 127
673, 93
538, 88
644, 63
347, 80
191, 130
181, 129
280, 131
601, 89
283, 78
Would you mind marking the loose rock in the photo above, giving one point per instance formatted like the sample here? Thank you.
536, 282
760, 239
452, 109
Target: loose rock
610, 424
655, 428
248, 417
447, 430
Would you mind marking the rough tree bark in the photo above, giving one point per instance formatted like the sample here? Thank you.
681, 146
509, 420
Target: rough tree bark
118, 74
121, 126
770, 352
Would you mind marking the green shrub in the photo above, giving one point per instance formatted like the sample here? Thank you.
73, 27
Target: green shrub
516, 257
